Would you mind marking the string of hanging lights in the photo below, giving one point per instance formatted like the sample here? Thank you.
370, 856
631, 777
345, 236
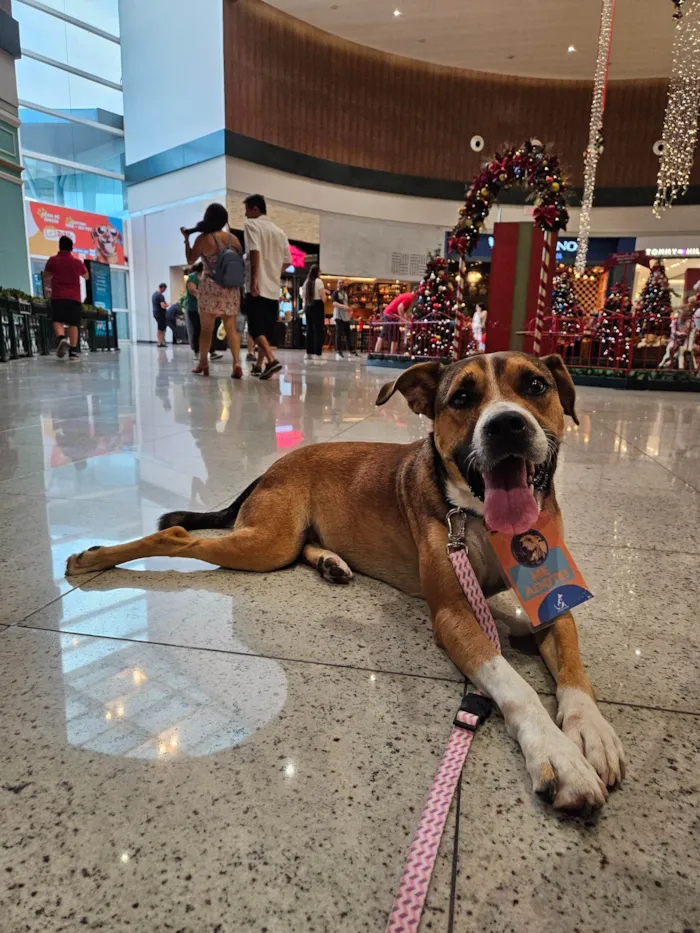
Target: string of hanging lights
680, 130
595, 132
679, 8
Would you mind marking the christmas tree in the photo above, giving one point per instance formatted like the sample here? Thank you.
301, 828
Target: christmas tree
437, 304
565, 307
654, 305
614, 330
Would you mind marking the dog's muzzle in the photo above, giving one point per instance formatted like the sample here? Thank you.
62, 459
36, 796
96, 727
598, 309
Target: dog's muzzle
509, 466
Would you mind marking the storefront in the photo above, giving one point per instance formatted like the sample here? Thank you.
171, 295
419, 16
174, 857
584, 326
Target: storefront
681, 261
366, 296
304, 256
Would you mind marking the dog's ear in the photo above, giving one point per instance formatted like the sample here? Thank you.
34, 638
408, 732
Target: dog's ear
418, 385
565, 384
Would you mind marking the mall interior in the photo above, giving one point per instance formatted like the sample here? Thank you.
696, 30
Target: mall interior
197, 744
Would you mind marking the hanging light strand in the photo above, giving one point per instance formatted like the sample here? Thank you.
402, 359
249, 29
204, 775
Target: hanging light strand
680, 130
595, 132
679, 8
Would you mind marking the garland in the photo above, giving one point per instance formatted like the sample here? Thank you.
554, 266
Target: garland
528, 164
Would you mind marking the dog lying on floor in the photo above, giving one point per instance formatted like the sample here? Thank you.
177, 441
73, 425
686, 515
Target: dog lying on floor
498, 421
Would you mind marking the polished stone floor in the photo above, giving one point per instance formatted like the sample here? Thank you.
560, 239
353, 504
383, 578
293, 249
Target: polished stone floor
187, 749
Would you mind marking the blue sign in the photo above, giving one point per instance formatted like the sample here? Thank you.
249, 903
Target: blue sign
99, 285
599, 248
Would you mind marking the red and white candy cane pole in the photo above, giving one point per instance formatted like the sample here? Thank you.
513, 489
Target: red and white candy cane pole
543, 290
457, 336
459, 316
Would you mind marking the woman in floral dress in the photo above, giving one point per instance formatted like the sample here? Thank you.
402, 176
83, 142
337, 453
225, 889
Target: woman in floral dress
214, 300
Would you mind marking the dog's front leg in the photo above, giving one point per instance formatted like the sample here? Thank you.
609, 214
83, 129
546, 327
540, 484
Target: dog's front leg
578, 713
558, 770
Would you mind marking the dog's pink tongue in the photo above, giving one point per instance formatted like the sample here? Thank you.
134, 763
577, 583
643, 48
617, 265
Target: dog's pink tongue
510, 506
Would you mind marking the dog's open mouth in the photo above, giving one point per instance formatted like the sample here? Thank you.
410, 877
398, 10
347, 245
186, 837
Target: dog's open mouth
509, 492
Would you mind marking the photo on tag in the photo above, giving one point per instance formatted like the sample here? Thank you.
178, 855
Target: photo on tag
541, 571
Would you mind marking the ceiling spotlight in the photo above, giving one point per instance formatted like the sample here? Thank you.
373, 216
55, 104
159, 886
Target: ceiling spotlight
397, 13
572, 48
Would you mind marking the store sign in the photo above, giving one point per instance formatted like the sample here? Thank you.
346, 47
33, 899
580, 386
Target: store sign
668, 252
599, 248
94, 236
629, 258
298, 256
563, 246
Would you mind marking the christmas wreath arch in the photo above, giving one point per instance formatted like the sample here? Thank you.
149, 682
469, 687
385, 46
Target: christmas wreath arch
528, 165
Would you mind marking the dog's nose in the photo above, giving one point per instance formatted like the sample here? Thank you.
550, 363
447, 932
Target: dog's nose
509, 424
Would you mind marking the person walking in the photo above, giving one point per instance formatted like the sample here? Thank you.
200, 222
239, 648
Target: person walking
215, 300
160, 308
194, 327
341, 316
314, 308
65, 271
267, 248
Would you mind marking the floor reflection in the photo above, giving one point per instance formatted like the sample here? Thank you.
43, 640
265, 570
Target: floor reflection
122, 698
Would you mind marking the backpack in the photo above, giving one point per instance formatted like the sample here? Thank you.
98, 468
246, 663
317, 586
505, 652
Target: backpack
229, 271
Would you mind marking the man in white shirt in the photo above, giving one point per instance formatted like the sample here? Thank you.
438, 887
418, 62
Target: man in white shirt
267, 249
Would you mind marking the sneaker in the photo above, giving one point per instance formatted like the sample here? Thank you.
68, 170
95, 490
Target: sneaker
216, 356
74, 355
309, 358
255, 370
250, 357
62, 348
339, 356
271, 367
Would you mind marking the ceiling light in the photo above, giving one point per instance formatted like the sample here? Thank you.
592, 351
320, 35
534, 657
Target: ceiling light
572, 48
397, 13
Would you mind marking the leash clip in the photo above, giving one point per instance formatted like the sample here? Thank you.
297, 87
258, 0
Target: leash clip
456, 530
474, 705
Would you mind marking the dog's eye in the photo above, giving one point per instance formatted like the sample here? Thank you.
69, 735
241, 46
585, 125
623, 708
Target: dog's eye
537, 386
461, 399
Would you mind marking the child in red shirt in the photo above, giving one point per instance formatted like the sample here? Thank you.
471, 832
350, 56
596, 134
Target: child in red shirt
395, 311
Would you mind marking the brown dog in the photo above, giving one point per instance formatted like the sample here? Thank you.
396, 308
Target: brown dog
106, 239
498, 420
534, 549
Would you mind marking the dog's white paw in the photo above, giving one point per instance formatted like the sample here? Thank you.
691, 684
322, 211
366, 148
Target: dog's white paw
560, 774
581, 720
333, 569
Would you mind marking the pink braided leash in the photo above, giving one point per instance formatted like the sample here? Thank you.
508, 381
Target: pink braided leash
410, 898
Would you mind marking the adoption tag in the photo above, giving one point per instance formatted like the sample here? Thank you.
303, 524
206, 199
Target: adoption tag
541, 571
